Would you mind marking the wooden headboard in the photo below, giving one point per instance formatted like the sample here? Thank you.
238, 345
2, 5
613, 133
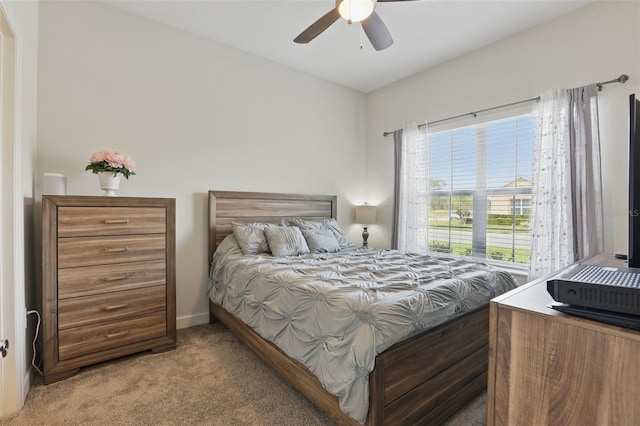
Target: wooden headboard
226, 207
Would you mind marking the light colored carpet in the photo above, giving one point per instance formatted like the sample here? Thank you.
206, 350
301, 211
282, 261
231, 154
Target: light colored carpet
212, 378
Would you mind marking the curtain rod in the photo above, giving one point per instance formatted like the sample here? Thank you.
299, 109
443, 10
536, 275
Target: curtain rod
622, 79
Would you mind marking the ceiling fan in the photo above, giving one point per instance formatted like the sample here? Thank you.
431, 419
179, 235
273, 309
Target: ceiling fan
353, 11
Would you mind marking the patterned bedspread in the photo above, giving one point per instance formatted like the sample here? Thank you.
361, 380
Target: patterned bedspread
334, 312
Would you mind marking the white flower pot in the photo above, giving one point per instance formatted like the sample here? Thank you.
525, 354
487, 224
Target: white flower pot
109, 183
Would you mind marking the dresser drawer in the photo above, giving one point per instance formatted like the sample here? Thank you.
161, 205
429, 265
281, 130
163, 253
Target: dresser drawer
82, 311
76, 342
86, 251
94, 221
88, 280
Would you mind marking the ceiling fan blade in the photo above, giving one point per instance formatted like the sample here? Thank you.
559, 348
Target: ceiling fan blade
318, 27
377, 32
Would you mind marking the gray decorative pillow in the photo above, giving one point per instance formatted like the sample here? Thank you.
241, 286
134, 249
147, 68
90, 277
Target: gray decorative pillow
329, 223
229, 244
337, 232
321, 240
251, 237
285, 240
305, 224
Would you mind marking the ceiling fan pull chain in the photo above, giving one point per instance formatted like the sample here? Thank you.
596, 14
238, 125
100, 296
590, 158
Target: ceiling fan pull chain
361, 36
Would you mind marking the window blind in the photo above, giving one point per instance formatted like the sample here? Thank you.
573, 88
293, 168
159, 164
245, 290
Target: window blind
479, 193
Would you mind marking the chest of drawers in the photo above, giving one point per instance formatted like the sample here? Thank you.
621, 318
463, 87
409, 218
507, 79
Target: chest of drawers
108, 280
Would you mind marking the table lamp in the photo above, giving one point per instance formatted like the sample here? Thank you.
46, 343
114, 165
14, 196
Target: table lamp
365, 215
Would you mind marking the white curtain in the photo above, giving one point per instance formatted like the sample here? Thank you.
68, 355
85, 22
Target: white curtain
411, 213
566, 217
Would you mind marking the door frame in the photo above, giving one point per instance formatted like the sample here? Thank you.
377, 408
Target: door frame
13, 371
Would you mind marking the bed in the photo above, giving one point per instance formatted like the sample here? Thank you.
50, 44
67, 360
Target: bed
422, 379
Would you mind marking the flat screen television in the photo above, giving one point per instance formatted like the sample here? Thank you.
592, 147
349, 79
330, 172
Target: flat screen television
634, 183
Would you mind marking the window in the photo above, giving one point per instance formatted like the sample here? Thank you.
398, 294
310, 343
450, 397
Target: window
479, 192
521, 206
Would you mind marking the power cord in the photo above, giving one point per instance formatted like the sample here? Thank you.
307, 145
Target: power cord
33, 359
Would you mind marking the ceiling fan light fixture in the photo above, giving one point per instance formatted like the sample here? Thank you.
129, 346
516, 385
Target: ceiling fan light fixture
355, 10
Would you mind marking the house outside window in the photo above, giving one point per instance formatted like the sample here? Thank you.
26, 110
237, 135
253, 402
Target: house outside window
480, 185
517, 203
521, 206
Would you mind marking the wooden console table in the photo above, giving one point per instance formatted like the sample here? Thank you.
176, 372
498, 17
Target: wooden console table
550, 368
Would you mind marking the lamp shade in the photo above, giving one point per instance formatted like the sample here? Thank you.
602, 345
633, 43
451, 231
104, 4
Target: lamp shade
365, 214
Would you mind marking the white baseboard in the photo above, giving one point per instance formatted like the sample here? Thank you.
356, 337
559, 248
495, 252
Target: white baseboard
26, 385
191, 320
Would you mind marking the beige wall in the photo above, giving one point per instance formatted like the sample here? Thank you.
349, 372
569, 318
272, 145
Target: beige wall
195, 116
596, 43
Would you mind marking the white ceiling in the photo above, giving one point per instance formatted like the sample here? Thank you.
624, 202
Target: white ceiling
425, 32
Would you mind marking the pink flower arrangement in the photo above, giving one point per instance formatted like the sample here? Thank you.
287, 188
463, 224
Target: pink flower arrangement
111, 161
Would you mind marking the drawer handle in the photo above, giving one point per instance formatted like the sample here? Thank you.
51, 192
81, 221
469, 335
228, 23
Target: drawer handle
115, 278
116, 249
115, 221
117, 334
114, 307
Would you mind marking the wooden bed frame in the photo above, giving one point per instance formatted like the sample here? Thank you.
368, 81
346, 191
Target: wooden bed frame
421, 380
